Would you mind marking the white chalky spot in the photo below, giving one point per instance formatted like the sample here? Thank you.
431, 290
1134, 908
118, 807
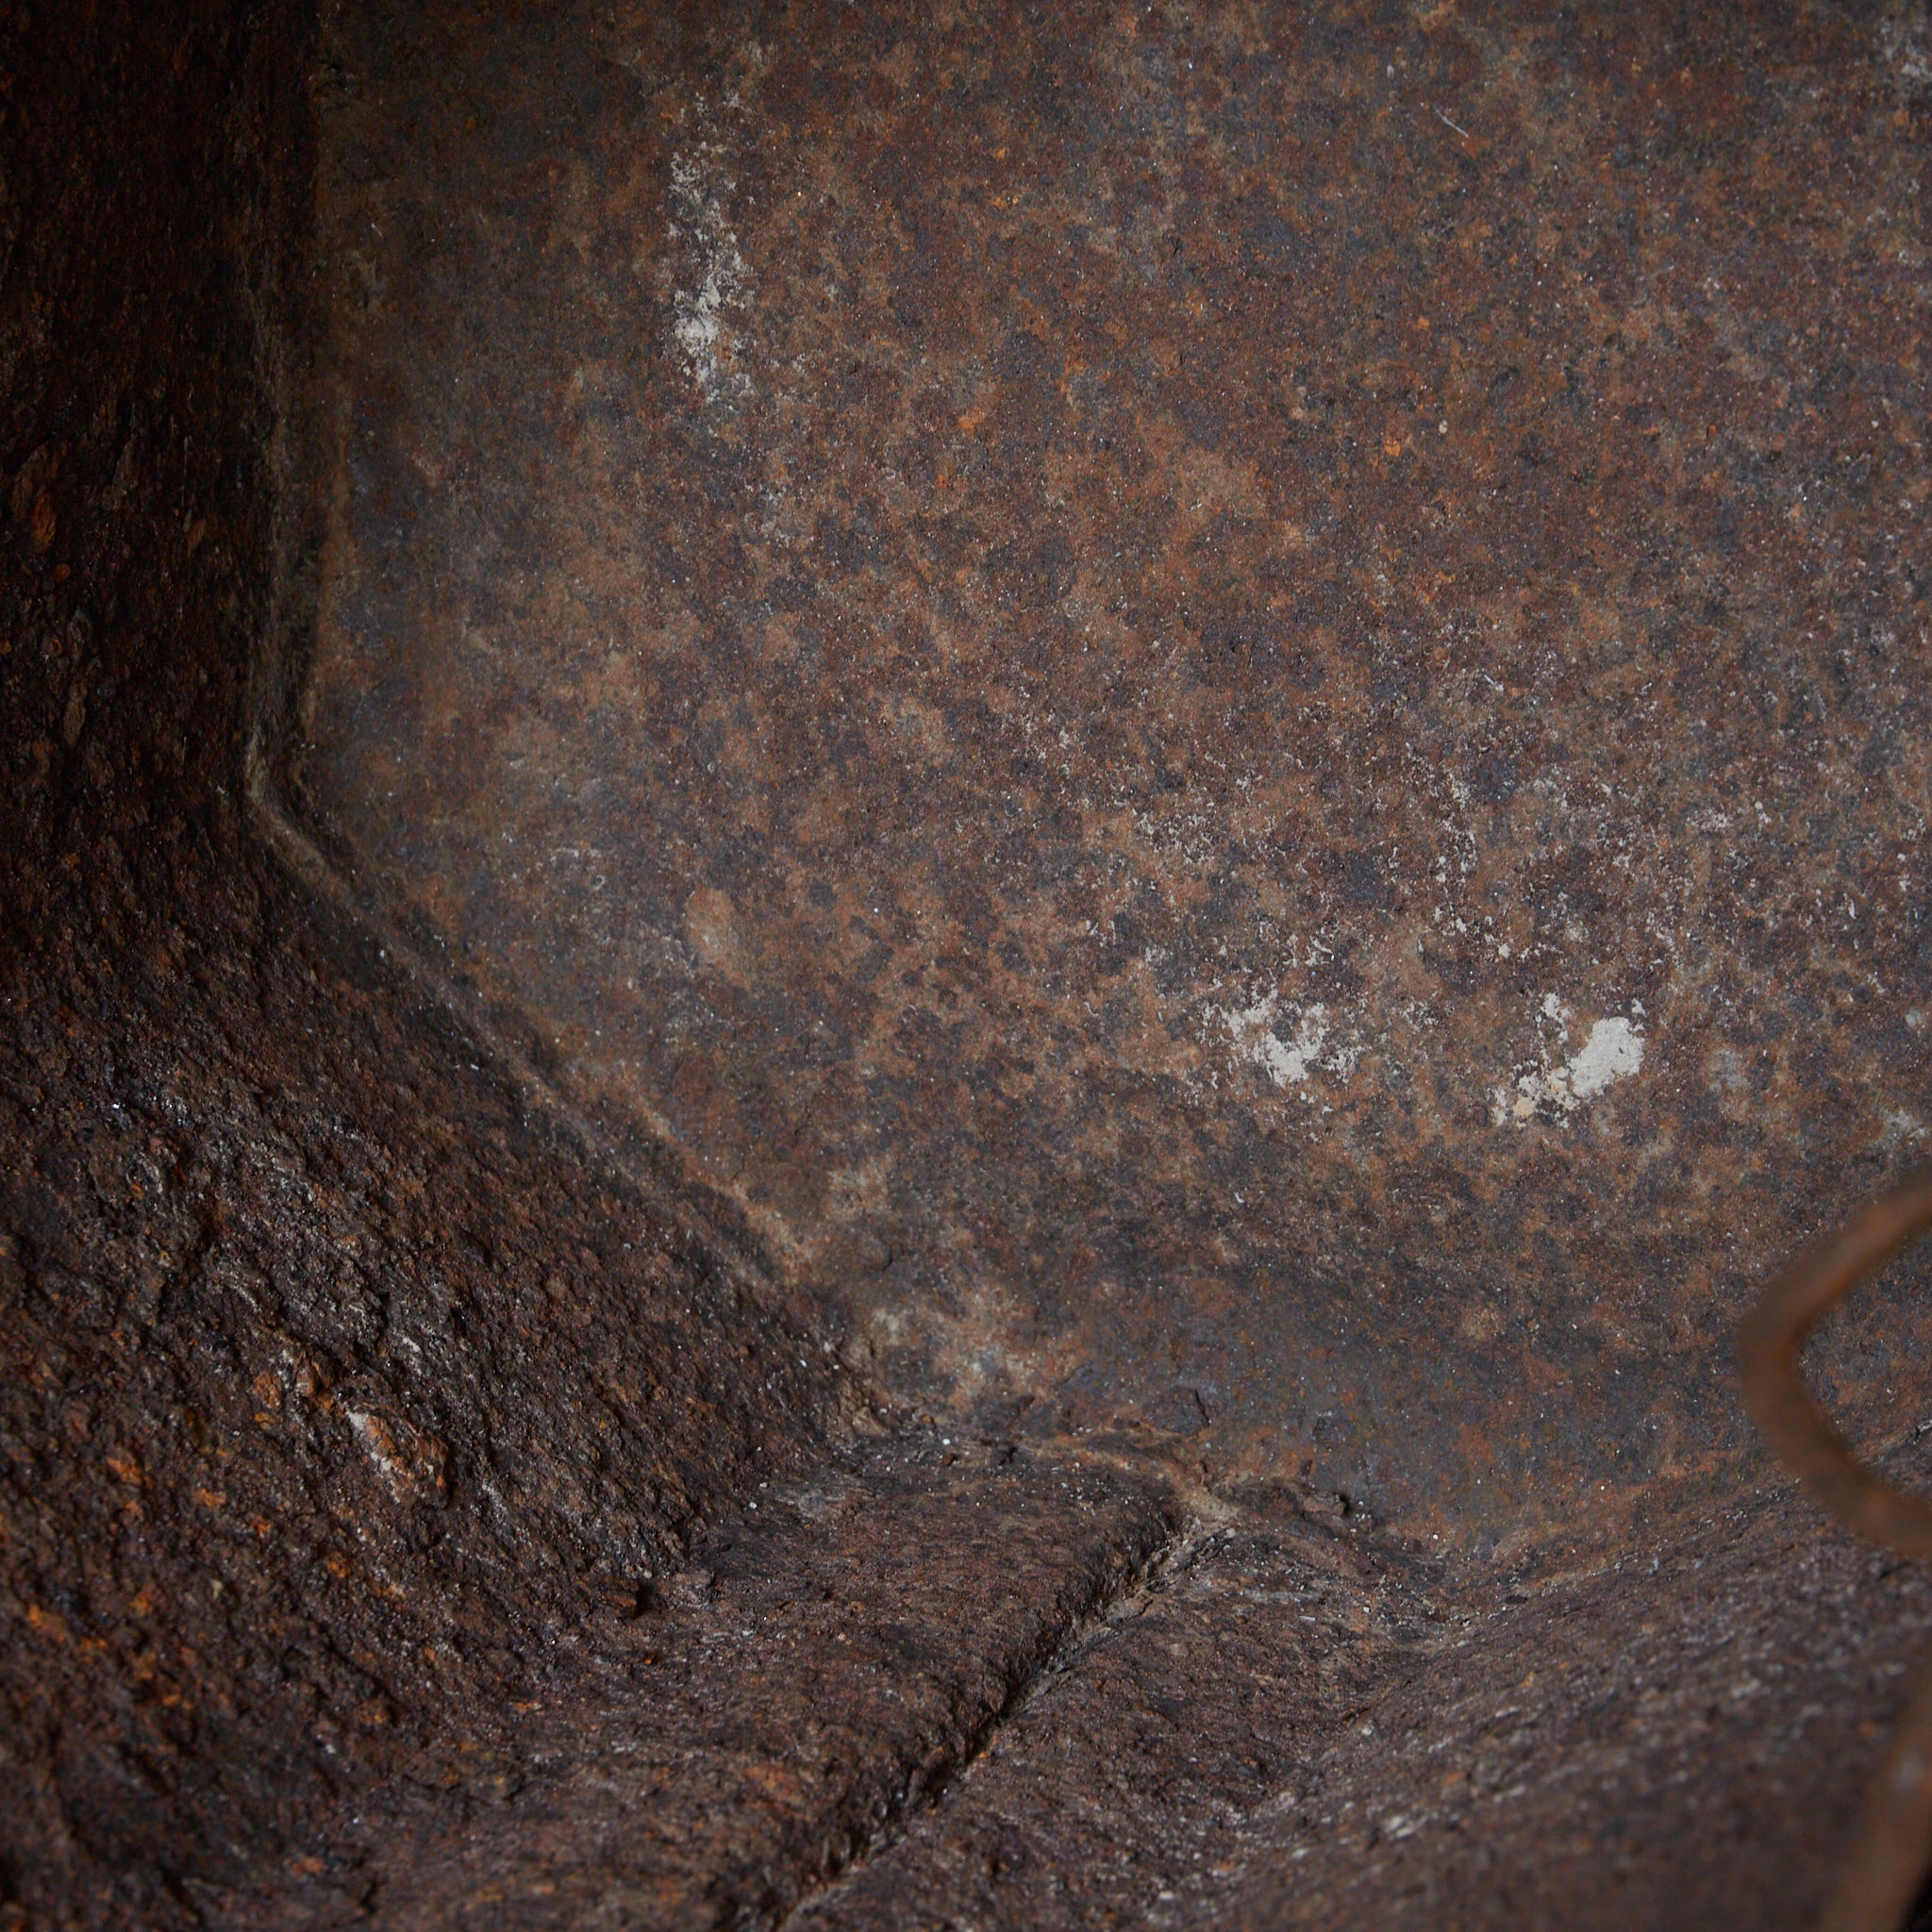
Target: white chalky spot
699, 314
1613, 1052
1288, 1063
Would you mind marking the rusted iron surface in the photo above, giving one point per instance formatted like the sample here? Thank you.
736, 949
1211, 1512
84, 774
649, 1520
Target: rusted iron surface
1888, 1865
332, 1400
719, 1748
1670, 1743
346, 1403
333, 1390
1220, 703
1125, 1789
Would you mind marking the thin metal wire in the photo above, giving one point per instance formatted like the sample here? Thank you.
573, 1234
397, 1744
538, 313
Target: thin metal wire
1893, 1854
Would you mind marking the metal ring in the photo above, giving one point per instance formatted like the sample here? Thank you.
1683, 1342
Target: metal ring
1894, 1849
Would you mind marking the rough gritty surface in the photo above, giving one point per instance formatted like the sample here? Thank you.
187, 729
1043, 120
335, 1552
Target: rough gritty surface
408, 1517
1291, 1732
355, 1431
1682, 1742
336, 1392
328, 1396
1217, 704
1127, 1779
740, 1733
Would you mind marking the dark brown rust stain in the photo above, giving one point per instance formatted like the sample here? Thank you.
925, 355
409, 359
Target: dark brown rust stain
1115, 664
726, 1746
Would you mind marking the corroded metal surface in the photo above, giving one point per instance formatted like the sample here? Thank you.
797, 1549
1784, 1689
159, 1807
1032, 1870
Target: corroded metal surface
1124, 1792
722, 1748
1218, 703
346, 1405
1668, 1743
1325, 1742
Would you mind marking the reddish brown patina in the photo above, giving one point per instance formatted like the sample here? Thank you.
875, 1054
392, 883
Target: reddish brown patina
1215, 706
